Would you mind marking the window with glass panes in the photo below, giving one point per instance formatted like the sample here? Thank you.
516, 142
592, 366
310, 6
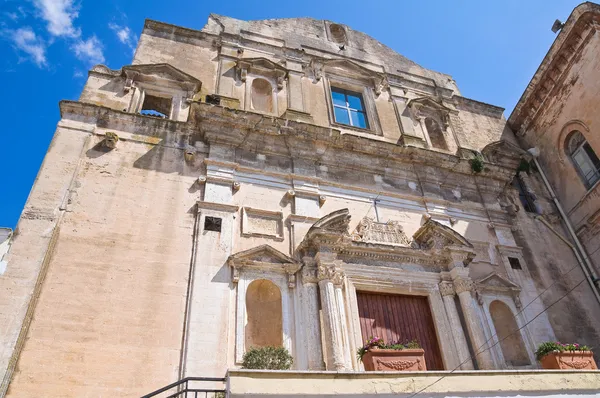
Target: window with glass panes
349, 108
584, 157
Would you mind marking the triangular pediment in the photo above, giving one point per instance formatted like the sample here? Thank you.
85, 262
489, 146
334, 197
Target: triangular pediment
433, 234
261, 254
261, 63
496, 281
344, 65
156, 72
428, 102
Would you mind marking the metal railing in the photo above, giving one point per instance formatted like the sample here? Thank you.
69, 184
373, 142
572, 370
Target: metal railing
191, 387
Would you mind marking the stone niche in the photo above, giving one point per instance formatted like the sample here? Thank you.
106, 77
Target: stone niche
262, 223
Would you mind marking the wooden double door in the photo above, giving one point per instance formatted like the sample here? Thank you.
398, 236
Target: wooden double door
400, 318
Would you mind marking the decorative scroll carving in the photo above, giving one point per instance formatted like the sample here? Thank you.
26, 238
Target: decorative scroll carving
447, 288
374, 232
397, 365
331, 271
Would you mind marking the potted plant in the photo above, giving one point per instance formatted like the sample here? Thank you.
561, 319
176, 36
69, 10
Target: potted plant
272, 358
556, 355
394, 356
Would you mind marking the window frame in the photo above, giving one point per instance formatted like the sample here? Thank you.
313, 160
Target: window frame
356, 86
588, 181
348, 108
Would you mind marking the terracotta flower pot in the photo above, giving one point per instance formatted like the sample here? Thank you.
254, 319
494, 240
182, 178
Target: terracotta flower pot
569, 360
394, 360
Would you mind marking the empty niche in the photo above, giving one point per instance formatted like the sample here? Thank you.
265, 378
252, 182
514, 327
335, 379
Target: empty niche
511, 343
435, 134
337, 33
264, 321
262, 95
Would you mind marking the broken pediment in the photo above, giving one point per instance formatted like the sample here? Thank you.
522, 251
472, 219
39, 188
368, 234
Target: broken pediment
165, 73
266, 258
434, 235
389, 233
337, 222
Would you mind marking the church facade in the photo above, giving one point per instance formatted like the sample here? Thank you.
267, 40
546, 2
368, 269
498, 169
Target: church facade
288, 182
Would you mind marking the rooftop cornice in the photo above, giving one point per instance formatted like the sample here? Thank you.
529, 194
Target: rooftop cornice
550, 75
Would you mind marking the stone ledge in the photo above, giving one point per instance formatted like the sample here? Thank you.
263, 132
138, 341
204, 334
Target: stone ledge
458, 383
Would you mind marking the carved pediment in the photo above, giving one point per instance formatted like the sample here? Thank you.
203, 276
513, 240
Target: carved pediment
494, 281
161, 72
505, 153
261, 66
434, 235
266, 258
347, 68
336, 222
428, 102
389, 233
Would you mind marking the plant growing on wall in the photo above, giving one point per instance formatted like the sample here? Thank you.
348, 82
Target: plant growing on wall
477, 164
269, 357
376, 343
555, 346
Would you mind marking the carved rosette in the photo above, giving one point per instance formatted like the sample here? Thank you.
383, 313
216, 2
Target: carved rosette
447, 288
462, 285
332, 272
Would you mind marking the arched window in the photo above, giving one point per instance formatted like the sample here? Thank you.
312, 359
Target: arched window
435, 134
583, 156
262, 95
264, 324
511, 343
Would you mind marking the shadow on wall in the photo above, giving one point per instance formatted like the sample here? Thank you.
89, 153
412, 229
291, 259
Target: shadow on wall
169, 160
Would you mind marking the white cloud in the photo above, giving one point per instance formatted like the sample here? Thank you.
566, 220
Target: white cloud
59, 14
124, 34
12, 15
26, 40
89, 51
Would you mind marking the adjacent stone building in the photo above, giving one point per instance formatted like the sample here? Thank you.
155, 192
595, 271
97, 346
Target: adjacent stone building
291, 182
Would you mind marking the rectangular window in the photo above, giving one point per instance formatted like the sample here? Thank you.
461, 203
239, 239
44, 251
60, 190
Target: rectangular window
514, 263
349, 108
156, 106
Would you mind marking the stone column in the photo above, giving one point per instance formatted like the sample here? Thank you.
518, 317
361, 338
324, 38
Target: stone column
341, 308
329, 275
463, 285
458, 334
311, 324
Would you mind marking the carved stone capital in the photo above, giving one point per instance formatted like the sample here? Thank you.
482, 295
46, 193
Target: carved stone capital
462, 285
331, 272
290, 270
446, 288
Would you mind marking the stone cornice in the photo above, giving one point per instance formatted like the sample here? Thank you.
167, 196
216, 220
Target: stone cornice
550, 75
233, 127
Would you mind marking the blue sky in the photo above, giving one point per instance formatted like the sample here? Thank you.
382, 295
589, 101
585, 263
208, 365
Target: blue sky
491, 48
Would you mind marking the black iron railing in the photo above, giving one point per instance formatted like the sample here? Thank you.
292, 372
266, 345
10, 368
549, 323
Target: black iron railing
192, 387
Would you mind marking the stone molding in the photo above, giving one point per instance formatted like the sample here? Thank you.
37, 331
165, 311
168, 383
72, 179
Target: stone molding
217, 206
462, 285
496, 284
250, 216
